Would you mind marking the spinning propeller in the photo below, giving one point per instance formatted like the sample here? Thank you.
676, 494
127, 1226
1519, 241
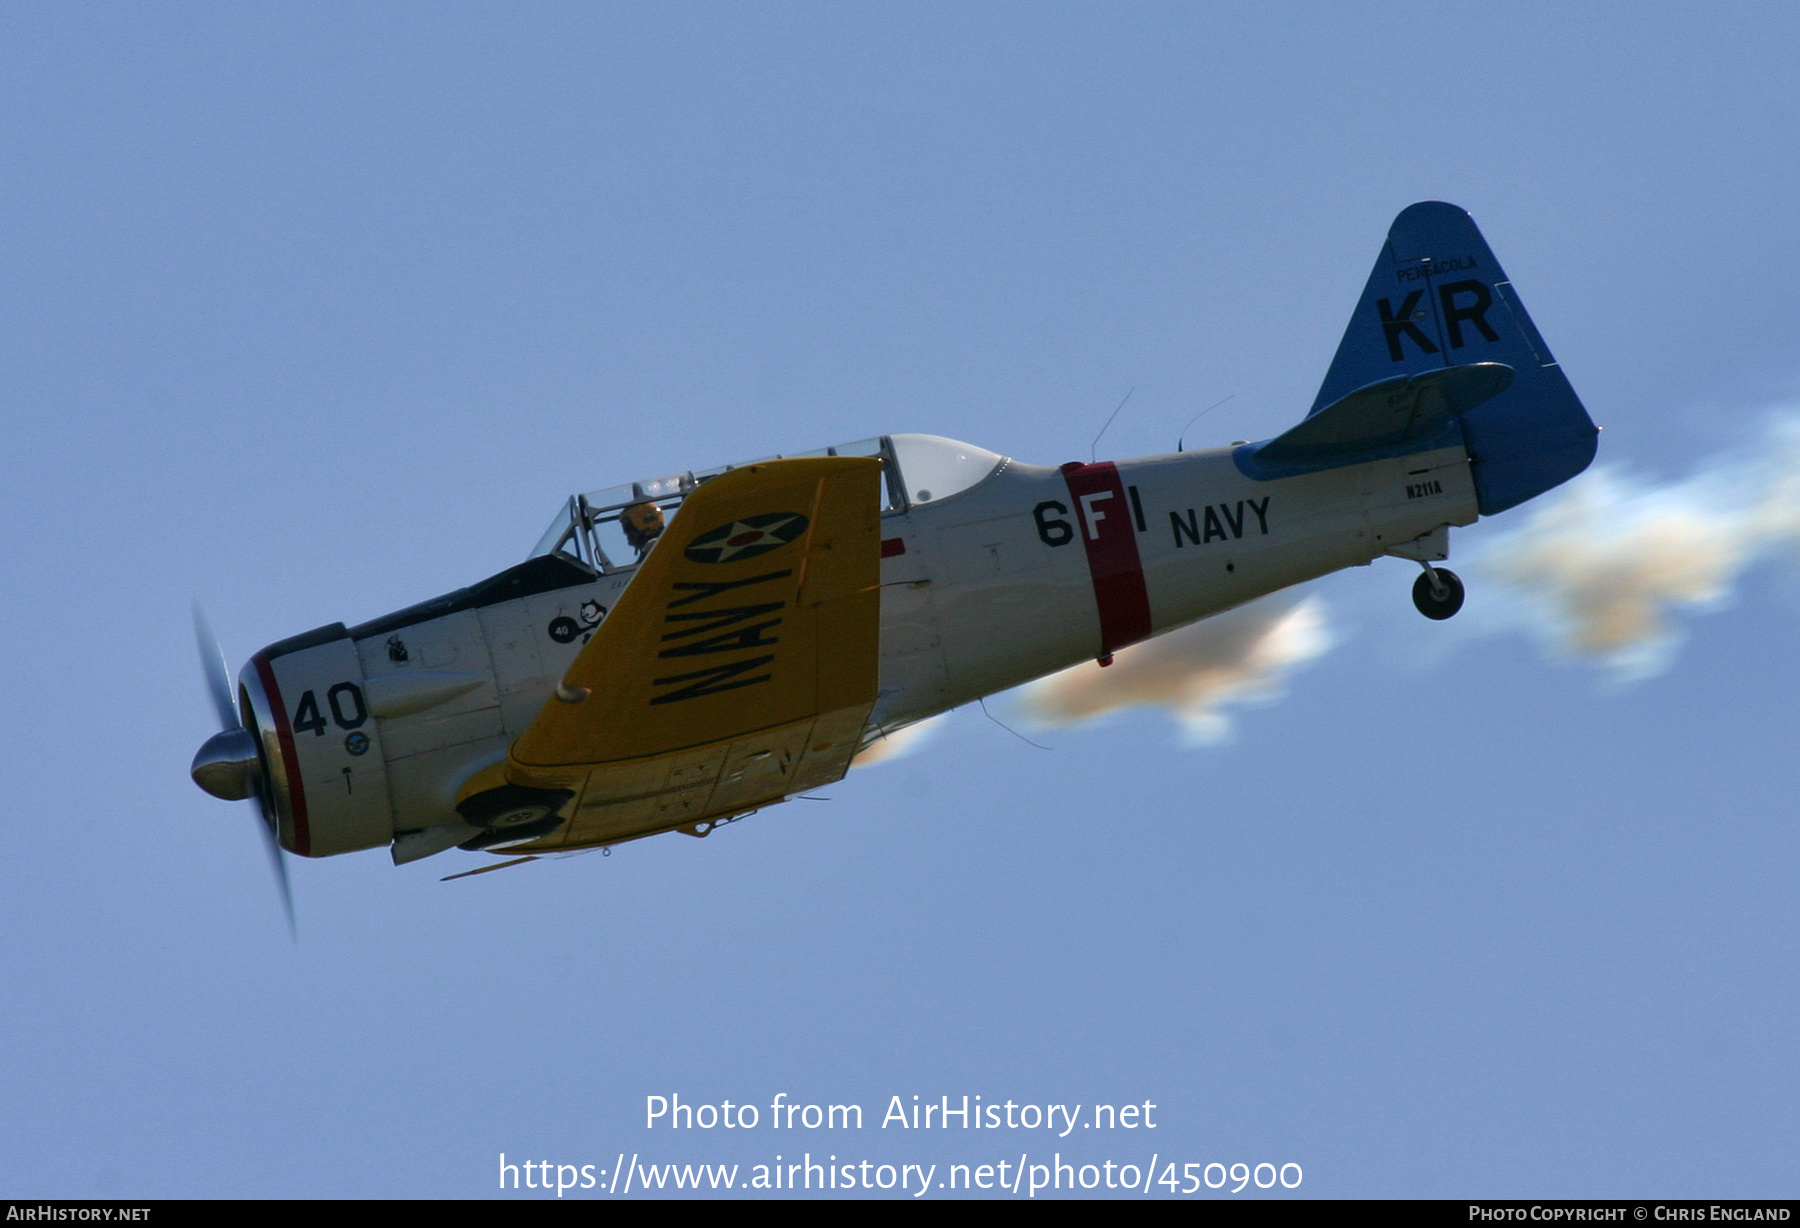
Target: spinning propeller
228, 765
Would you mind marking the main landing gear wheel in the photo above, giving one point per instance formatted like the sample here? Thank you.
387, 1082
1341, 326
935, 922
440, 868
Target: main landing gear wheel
1438, 593
512, 812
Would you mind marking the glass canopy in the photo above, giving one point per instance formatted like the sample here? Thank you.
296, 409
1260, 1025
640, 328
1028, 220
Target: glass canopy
615, 527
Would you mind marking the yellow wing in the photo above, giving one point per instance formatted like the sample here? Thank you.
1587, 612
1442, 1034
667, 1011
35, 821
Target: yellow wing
738, 667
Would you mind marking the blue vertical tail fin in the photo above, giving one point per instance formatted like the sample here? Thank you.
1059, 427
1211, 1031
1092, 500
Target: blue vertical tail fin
1437, 298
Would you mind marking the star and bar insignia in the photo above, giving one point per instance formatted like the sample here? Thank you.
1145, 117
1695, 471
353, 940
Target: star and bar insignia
746, 538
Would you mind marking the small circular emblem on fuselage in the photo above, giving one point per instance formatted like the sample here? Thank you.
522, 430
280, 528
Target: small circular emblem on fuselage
356, 743
747, 538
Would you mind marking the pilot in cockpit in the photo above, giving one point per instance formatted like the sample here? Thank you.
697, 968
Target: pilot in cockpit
643, 524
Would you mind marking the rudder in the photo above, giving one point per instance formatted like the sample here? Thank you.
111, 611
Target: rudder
1438, 298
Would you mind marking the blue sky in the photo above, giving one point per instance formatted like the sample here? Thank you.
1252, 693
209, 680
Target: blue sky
312, 313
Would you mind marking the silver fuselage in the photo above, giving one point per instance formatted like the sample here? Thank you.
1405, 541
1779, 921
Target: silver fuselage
369, 732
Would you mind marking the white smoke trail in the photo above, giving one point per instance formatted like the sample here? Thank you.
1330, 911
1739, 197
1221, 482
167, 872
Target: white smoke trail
898, 744
1240, 656
1604, 567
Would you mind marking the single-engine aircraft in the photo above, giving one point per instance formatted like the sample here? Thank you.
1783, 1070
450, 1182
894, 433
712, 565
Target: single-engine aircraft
678, 652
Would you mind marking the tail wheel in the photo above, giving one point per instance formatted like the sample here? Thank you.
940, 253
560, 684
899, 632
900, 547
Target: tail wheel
1438, 593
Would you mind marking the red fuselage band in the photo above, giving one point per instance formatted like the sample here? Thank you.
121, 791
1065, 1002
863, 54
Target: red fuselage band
1103, 518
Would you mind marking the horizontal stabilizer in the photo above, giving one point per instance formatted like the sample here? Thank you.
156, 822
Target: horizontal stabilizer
1390, 417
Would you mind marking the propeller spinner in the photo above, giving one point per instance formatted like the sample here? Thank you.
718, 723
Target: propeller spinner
228, 764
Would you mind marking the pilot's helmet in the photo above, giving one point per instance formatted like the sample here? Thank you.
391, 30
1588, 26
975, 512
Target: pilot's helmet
643, 524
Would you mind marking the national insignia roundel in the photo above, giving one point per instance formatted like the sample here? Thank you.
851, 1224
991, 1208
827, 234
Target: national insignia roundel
746, 538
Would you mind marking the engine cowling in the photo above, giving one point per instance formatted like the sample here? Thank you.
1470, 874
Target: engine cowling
306, 704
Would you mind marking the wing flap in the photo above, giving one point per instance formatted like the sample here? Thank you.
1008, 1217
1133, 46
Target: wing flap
710, 782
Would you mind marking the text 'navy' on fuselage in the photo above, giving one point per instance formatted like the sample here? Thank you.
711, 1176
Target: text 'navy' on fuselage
1212, 522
